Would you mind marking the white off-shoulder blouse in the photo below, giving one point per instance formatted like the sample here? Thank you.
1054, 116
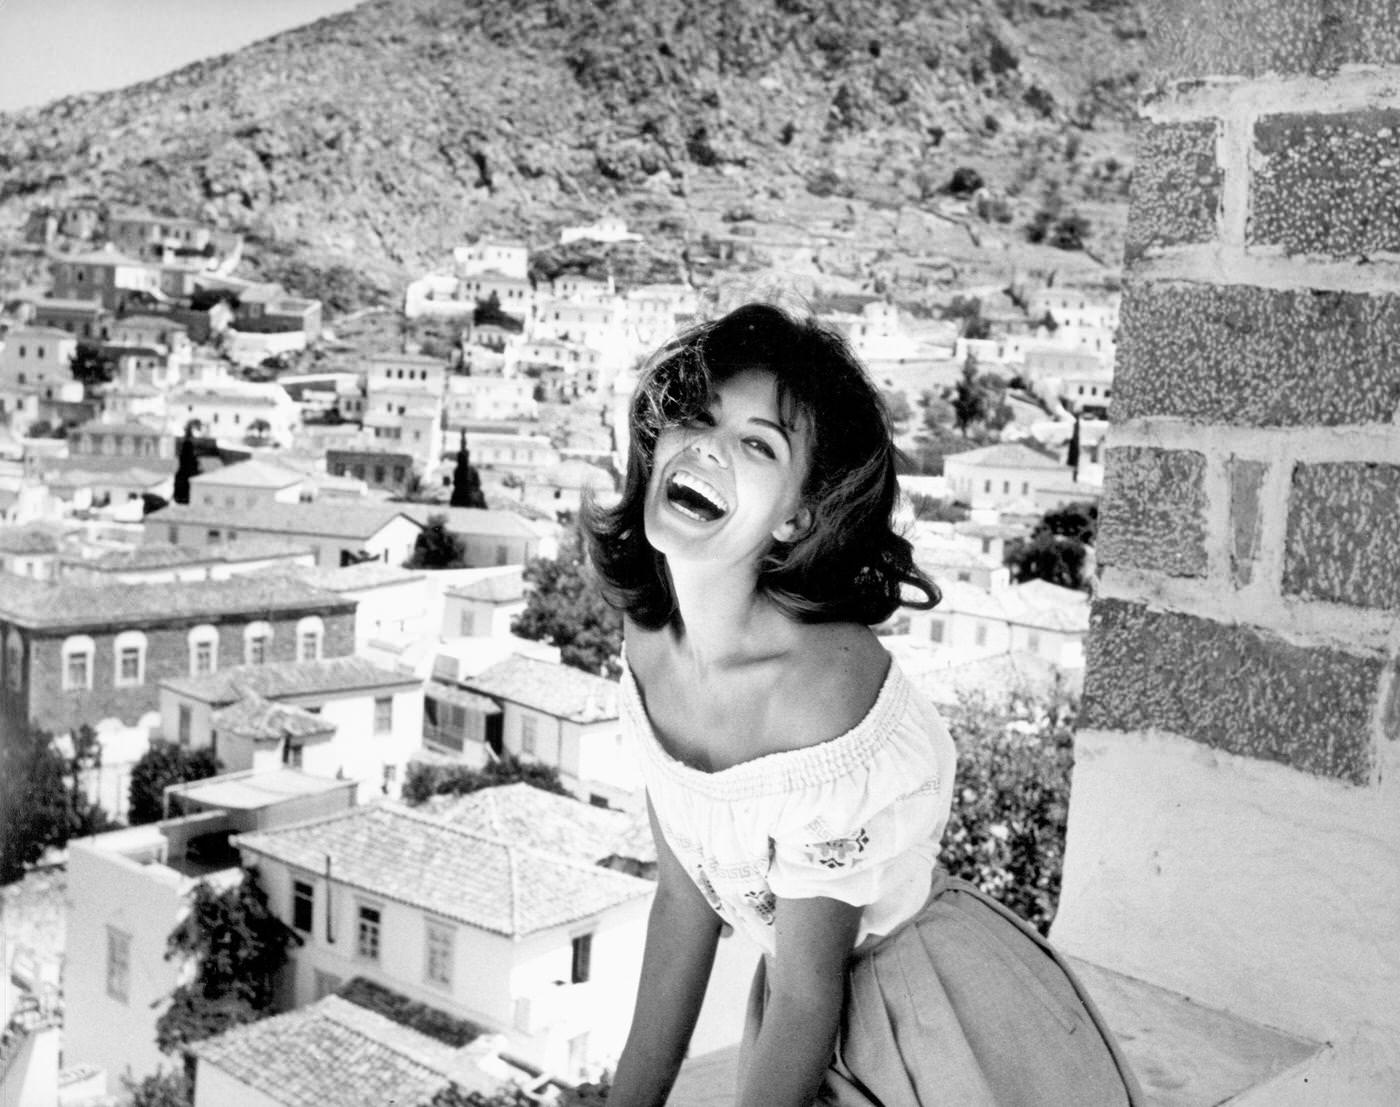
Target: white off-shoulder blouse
857, 818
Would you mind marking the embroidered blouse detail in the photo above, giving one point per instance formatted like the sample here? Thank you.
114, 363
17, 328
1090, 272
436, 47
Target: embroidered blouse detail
857, 818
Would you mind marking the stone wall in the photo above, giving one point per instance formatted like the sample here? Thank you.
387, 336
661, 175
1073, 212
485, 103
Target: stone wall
1235, 824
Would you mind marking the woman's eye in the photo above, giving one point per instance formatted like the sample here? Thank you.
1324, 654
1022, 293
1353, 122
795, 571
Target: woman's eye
760, 446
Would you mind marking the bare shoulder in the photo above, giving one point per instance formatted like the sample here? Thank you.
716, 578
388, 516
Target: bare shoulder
830, 684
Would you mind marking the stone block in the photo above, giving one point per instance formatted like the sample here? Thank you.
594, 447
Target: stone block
1235, 688
1253, 356
1246, 480
1154, 510
1326, 183
1177, 181
1192, 39
1343, 537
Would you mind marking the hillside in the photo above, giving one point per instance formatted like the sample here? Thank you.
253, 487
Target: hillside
736, 134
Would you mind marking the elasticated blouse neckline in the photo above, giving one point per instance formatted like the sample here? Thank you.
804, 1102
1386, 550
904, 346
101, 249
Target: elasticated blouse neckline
785, 771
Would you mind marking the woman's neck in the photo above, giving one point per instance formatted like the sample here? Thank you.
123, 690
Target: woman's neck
725, 620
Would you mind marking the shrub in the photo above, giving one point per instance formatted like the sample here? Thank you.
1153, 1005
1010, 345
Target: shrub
1006, 833
424, 780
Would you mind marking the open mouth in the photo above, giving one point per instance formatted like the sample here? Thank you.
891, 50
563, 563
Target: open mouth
694, 497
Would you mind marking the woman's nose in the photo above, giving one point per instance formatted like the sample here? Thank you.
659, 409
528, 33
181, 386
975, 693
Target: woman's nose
706, 444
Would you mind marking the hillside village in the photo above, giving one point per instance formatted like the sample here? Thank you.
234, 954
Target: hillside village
208, 539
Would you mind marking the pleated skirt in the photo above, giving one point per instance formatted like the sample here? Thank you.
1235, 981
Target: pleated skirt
965, 1005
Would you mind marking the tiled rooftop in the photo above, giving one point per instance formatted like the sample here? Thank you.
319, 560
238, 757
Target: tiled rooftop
558, 690
159, 555
493, 586
1008, 455
338, 519
352, 578
543, 820
261, 720
334, 1053
420, 860
475, 520
288, 678
44, 604
250, 474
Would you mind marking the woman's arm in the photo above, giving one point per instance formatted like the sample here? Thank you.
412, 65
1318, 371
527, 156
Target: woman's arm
680, 950
806, 990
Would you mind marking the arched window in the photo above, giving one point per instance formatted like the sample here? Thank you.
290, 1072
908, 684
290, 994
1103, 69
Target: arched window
77, 655
310, 634
129, 655
204, 650
257, 643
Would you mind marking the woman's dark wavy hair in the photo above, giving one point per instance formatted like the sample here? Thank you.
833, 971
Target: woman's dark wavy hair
849, 565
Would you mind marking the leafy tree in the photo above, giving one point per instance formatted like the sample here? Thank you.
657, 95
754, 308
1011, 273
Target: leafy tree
466, 482
424, 780
970, 398
91, 366
1006, 832
564, 609
238, 946
42, 802
187, 466
1057, 549
436, 547
165, 763
167, 1088
898, 406
935, 510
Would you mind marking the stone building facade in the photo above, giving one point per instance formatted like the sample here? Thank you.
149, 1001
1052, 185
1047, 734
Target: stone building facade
1235, 827
75, 653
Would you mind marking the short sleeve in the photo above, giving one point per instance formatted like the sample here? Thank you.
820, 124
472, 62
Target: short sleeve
870, 855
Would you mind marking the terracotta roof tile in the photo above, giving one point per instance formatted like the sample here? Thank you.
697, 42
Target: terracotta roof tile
335, 519
480, 880
558, 690
287, 678
60, 605
333, 1052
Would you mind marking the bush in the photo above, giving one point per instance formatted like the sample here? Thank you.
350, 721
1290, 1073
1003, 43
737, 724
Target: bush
1006, 833
424, 780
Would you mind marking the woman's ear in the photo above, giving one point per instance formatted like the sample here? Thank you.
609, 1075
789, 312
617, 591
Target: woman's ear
790, 530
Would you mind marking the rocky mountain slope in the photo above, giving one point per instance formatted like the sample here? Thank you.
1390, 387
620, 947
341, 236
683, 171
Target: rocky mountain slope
735, 132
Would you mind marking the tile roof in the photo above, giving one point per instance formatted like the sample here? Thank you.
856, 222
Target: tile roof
288, 678
334, 1052
493, 586
255, 790
251, 474
159, 555
352, 578
55, 605
1007, 455
544, 820
475, 520
31, 538
338, 519
483, 881
261, 720
558, 690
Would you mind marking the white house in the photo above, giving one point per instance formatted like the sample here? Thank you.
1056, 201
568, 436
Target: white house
342, 717
1013, 475
484, 398
235, 409
1035, 618
247, 484
492, 255
438, 295
35, 366
607, 228
524, 941
485, 606
562, 717
339, 532
127, 890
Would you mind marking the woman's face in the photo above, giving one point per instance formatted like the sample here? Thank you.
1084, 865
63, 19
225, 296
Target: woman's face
728, 484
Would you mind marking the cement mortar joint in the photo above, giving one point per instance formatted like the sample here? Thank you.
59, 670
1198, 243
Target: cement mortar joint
1365, 444
1353, 88
1307, 624
1223, 265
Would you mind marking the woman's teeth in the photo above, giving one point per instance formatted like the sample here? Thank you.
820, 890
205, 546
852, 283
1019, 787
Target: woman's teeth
697, 498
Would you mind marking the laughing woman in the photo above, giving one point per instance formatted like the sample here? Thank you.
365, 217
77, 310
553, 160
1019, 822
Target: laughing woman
798, 784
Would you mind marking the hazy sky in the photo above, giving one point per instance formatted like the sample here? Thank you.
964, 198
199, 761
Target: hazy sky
53, 48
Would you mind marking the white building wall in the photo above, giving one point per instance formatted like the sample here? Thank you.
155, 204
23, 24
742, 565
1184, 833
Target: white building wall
106, 890
213, 1087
